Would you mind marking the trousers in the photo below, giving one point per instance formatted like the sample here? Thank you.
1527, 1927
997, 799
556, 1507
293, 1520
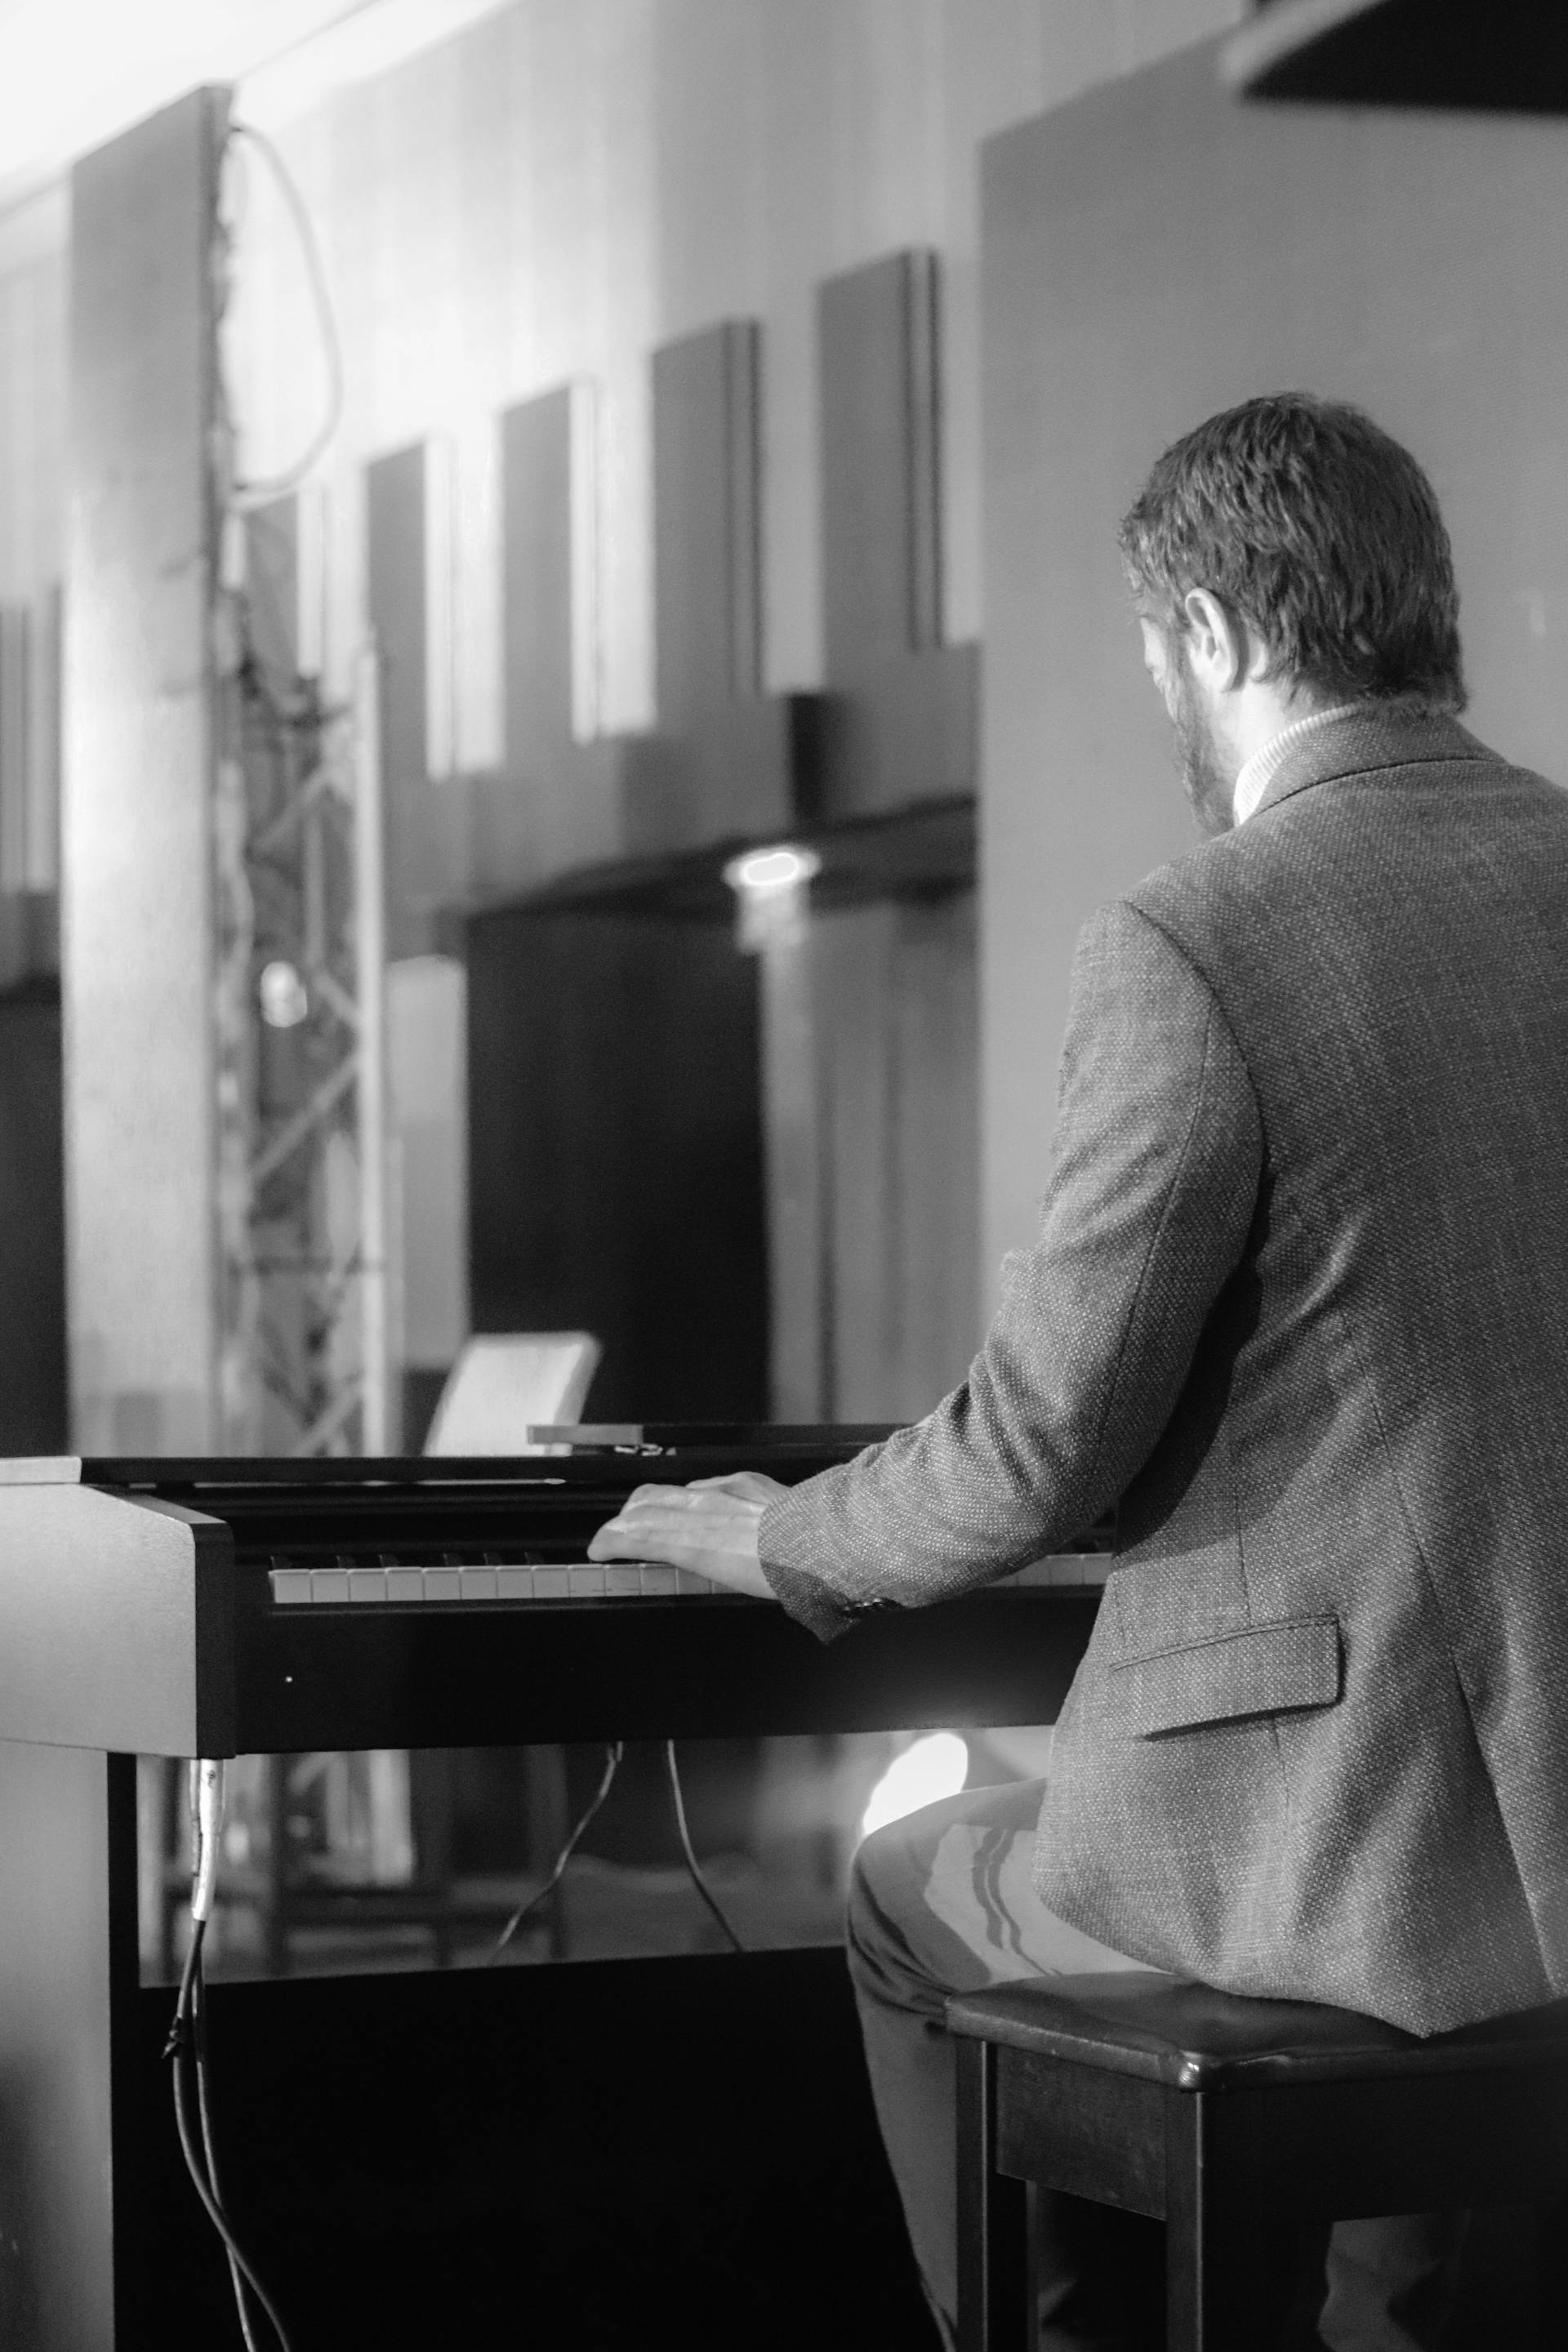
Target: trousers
941, 1902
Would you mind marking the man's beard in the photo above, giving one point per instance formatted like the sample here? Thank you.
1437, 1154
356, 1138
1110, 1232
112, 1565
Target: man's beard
1210, 791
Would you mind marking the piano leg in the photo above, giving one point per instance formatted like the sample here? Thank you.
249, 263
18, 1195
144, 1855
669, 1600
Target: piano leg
68, 2004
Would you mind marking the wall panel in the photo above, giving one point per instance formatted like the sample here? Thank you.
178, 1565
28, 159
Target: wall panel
572, 182
1410, 262
427, 862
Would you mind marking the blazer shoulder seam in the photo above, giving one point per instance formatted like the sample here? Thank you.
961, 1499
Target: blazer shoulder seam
1217, 1009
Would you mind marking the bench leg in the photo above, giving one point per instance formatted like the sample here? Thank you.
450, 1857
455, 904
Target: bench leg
1222, 2286
994, 2273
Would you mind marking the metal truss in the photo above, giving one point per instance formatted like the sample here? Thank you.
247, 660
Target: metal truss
300, 1063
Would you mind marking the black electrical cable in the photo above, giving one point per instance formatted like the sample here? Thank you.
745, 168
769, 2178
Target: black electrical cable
687, 1848
209, 2146
183, 2048
612, 1753
277, 485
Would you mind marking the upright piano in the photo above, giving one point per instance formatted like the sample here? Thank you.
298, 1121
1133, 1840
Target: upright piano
221, 1607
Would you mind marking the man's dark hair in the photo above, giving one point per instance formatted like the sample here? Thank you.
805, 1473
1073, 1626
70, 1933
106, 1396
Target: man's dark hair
1306, 521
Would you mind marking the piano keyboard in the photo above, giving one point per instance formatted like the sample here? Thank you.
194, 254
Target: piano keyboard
578, 1580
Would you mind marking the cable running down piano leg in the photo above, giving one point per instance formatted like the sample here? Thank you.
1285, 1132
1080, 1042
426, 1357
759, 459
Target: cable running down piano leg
613, 1755
187, 2049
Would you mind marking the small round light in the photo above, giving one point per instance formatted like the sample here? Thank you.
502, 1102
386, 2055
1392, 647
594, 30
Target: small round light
284, 1004
784, 868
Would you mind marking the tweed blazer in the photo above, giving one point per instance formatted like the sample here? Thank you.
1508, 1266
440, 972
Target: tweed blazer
1299, 1306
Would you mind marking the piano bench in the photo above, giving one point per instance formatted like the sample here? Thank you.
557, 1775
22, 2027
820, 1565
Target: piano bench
1229, 2119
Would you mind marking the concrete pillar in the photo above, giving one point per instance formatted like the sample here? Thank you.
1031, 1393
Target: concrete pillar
137, 787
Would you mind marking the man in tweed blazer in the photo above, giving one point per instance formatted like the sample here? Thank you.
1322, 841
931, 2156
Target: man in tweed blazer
1299, 1307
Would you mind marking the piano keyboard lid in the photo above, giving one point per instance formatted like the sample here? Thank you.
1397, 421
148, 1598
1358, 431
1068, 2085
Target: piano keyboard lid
695, 1441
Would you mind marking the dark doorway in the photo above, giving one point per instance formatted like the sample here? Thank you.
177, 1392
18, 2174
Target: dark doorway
616, 1152
33, 1407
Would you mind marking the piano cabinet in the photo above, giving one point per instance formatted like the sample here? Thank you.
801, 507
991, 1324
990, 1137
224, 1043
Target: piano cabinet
138, 1612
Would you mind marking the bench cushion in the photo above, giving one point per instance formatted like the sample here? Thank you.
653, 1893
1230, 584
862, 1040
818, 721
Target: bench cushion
1137, 2021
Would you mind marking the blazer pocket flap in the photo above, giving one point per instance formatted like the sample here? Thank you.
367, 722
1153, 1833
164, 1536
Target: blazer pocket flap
1262, 1670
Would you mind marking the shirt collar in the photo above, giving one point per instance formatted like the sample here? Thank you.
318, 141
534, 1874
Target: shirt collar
1258, 773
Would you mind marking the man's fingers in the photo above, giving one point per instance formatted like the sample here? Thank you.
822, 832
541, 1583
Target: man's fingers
751, 1485
681, 1525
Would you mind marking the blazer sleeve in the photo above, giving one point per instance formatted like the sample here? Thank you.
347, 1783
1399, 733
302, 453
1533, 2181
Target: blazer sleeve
1154, 1182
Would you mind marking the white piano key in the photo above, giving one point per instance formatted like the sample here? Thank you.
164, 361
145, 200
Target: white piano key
587, 1581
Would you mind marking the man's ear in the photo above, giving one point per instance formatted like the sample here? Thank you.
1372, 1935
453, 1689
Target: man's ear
1219, 645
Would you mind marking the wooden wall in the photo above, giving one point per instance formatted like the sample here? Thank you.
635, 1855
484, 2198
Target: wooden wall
570, 184
1154, 252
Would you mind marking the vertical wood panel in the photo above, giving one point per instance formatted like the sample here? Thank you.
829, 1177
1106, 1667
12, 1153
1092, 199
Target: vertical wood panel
16, 734
536, 580
726, 758
394, 606
876, 361
137, 852
705, 464
903, 705
426, 821
33, 403
29, 743
556, 801
43, 786
743, 539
